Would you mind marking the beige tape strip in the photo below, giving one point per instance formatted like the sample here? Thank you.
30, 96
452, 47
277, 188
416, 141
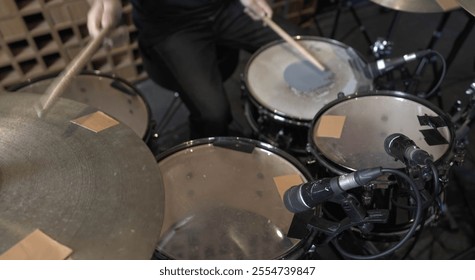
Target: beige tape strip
37, 246
331, 126
448, 4
285, 182
96, 122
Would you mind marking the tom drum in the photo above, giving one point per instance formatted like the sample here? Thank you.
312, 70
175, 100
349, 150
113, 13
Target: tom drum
286, 92
223, 201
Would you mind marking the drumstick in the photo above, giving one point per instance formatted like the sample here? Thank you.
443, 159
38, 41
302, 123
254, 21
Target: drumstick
303, 51
60, 83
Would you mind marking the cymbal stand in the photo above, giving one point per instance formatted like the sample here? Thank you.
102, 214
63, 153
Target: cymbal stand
458, 43
466, 118
460, 40
412, 85
340, 6
382, 47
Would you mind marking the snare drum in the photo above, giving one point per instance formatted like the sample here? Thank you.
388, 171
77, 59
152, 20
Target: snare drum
286, 93
222, 202
108, 93
348, 134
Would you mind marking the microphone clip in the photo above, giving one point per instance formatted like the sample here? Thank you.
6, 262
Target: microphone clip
357, 216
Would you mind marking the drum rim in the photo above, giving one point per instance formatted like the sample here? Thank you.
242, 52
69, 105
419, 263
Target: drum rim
256, 143
148, 133
275, 114
322, 159
294, 250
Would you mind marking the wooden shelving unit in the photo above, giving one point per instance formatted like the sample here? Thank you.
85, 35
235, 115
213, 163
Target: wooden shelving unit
40, 37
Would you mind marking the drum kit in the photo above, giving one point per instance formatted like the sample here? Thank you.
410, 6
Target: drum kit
90, 182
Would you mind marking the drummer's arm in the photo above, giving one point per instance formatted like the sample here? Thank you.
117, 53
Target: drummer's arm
257, 8
102, 14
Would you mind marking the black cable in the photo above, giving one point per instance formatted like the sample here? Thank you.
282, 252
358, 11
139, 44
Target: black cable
441, 77
410, 232
415, 241
437, 189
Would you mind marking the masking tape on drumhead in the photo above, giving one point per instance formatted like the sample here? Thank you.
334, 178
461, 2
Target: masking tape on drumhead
431, 121
448, 4
37, 246
330, 126
433, 137
285, 182
96, 122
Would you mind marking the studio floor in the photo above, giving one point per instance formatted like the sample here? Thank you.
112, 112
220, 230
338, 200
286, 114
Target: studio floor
453, 236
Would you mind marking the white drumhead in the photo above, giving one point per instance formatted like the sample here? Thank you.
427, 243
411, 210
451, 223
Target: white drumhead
266, 84
221, 203
100, 92
368, 120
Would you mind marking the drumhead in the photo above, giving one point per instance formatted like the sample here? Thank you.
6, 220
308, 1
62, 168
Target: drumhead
222, 202
109, 94
350, 132
267, 86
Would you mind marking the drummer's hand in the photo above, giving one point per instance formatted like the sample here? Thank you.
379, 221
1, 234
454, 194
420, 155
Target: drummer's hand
103, 14
257, 9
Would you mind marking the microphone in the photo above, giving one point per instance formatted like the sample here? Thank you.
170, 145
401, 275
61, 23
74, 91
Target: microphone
383, 66
404, 149
308, 195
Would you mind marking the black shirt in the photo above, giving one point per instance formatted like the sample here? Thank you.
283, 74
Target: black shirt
158, 16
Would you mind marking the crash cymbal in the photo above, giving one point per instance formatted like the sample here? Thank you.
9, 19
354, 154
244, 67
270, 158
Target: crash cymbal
100, 194
468, 5
419, 6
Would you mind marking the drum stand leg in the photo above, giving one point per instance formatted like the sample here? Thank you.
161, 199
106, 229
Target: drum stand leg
171, 111
159, 128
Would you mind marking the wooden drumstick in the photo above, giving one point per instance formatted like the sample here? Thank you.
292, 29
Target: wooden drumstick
60, 83
284, 35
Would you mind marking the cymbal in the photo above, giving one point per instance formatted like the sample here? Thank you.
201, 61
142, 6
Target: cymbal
100, 194
418, 6
468, 5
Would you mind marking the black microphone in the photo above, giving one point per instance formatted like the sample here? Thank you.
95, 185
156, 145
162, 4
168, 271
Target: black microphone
404, 149
308, 195
383, 66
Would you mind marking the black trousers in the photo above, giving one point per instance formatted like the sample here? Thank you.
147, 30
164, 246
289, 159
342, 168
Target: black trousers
184, 54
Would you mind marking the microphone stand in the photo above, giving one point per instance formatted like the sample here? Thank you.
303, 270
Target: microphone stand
364, 220
356, 216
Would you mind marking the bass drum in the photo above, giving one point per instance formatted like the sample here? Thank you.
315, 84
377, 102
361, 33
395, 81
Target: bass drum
108, 93
285, 92
223, 201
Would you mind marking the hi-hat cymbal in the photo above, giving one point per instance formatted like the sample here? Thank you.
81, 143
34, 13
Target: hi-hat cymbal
468, 5
419, 6
100, 194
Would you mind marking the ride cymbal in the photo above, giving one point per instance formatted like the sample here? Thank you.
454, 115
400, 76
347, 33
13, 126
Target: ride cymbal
419, 6
100, 194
